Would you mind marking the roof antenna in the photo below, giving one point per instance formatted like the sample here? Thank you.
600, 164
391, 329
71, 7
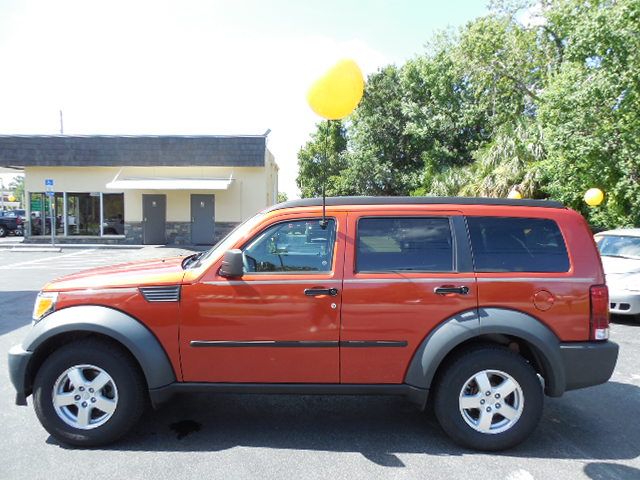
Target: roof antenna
323, 222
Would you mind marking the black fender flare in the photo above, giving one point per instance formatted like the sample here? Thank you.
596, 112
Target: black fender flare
126, 330
473, 323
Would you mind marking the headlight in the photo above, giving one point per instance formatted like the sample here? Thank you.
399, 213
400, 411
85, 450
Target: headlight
45, 304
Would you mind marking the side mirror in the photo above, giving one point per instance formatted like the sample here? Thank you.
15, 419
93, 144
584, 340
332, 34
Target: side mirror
232, 264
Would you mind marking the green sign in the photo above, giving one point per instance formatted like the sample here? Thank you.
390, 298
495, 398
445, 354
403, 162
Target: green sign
36, 203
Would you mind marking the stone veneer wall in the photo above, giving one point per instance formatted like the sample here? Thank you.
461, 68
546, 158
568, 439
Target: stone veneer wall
133, 233
177, 233
39, 240
222, 229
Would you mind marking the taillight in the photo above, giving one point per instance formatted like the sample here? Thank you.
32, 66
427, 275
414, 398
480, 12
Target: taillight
599, 295
19, 221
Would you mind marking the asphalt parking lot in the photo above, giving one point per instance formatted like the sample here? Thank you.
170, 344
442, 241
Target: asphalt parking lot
592, 433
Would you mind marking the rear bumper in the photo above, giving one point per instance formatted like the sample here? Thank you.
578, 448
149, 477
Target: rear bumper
588, 363
18, 363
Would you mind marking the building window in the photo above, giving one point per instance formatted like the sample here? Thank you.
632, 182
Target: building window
39, 207
86, 214
58, 205
83, 214
113, 214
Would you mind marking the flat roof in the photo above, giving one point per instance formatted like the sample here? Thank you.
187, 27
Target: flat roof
334, 201
132, 150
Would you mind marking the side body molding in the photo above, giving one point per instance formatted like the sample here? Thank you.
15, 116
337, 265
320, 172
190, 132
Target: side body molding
484, 321
142, 344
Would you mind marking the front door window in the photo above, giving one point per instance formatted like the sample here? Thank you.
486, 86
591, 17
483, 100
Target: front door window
293, 246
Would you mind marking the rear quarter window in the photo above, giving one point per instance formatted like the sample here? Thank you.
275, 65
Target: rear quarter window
514, 244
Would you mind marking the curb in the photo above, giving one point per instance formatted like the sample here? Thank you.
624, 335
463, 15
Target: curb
35, 247
59, 246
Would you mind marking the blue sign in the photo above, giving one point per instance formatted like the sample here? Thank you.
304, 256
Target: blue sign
48, 182
49, 193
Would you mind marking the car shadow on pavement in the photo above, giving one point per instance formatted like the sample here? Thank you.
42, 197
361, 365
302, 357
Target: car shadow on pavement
631, 320
12, 308
593, 424
606, 471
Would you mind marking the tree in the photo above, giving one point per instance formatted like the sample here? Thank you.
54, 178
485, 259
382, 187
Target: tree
384, 158
322, 159
282, 197
591, 109
485, 120
550, 106
17, 187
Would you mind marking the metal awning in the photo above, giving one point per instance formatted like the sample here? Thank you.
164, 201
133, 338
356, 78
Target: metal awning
156, 183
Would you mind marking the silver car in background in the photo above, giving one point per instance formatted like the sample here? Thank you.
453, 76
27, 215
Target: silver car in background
620, 252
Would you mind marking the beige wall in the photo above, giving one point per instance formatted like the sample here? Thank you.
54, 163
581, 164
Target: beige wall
251, 190
271, 172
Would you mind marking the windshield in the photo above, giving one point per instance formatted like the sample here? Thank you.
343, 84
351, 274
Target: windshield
227, 242
619, 246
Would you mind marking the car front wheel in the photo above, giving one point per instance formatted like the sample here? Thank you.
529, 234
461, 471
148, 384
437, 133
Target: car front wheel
88, 393
489, 398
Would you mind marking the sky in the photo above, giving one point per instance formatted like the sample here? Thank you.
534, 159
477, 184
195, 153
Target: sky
208, 67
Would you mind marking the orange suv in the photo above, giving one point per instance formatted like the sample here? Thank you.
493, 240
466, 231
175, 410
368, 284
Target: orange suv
481, 305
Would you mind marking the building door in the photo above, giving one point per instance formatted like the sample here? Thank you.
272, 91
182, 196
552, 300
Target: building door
202, 219
154, 213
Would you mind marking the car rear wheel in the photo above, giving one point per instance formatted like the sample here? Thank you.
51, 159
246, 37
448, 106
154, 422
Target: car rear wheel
88, 393
3, 231
488, 398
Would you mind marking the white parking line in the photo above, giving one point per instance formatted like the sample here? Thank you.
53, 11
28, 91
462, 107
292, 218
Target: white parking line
46, 259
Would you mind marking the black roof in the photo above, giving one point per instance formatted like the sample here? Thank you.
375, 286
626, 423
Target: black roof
331, 201
144, 150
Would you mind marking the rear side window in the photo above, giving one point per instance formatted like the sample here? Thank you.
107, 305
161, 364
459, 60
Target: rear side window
404, 244
508, 244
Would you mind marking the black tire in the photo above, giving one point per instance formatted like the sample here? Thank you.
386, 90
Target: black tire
3, 231
456, 375
130, 384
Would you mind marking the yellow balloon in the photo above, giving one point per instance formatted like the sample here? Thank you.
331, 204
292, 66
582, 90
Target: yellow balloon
594, 197
337, 93
514, 194
11, 198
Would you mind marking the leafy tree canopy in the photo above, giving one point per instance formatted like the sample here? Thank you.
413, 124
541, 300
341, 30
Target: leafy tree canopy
542, 96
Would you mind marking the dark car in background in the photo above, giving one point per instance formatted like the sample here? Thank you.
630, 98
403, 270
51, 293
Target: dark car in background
12, 221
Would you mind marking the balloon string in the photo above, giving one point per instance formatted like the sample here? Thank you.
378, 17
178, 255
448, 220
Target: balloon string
323, 223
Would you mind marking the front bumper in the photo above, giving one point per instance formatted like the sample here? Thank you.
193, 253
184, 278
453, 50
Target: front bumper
18, 364
588, 363
624, 302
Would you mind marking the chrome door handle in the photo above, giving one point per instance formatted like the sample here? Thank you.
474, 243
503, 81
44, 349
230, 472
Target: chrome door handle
315, 292
445, 289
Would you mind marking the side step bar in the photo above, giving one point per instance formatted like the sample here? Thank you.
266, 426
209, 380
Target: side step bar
415, 395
